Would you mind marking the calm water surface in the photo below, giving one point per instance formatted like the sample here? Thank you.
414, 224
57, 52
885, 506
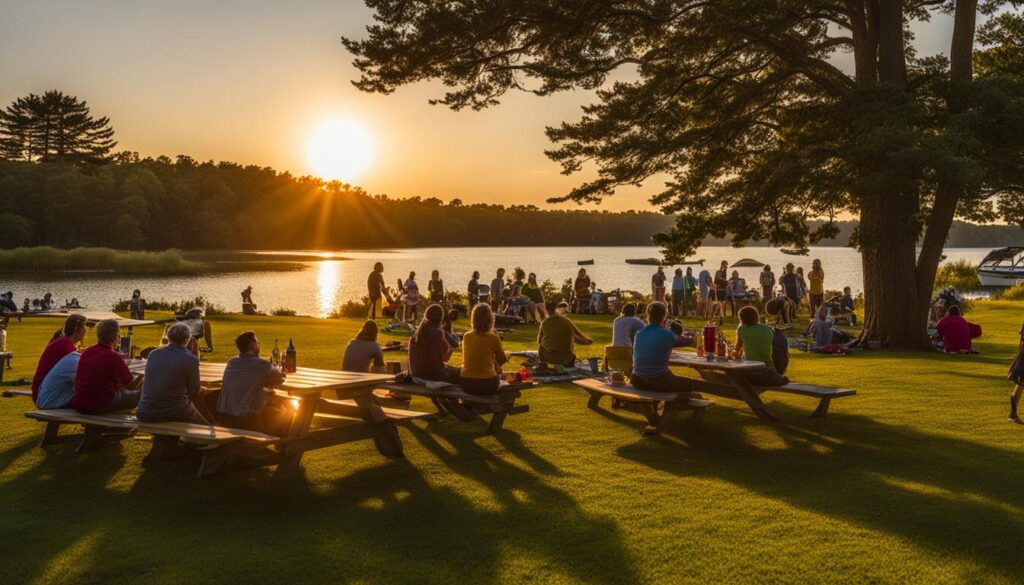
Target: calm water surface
322, 285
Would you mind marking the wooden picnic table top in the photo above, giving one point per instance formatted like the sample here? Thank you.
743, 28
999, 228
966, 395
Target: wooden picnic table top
304, 381
89, 316
696, 362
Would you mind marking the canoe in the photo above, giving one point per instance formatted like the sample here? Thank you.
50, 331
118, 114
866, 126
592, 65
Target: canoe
793, 252
688, 262
644, 261
584, 262
747, 263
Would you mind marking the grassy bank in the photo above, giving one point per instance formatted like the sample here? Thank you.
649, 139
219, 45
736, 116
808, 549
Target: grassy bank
168, 262
917, 479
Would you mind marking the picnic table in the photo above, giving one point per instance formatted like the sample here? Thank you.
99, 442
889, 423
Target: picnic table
731, 379
354, 405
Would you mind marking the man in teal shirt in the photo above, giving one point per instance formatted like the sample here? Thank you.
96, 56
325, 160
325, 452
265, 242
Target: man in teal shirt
754, 339
652, 349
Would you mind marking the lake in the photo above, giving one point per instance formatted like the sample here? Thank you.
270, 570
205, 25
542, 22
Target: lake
322, 285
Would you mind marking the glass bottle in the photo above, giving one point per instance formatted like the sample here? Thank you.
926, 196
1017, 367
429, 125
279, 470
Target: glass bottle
275, 354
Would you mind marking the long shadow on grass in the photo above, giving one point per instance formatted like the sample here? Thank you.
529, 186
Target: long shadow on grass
943, 493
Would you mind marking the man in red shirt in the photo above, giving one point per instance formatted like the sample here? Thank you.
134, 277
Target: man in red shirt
955, 332
103, 382
63, 343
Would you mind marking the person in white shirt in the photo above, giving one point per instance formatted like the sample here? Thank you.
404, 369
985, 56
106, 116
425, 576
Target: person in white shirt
625, 326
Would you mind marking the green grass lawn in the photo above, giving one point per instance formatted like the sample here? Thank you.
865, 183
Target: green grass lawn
919, 478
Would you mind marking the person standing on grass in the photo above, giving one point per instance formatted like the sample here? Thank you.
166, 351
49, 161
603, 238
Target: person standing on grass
376, 288
658, 285
171, 381
704, 286
473, 290
678, 295
817, 286
246, 399
767, 282
497, 288
689, 292
1017, 377
435, 287
137, 306
482, 354
652, 350
102, 381
791, 288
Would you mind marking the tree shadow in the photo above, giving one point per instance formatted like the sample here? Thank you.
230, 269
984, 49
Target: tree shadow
943, 493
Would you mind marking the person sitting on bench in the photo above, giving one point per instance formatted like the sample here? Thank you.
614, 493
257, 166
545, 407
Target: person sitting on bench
59, 381
246, 400
652, 349
483, 355
102, 380
557, 338
63, 343
757, 342
362, 352
625, 326
171, 382
429, 349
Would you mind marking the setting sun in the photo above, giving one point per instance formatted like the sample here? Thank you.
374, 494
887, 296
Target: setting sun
340, 150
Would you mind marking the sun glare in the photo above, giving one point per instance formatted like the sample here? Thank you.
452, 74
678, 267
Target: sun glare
340, 150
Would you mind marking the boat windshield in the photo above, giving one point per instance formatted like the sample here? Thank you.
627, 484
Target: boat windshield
1004, 258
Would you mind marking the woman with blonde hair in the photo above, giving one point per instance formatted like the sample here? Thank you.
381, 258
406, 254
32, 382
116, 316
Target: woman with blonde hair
363, 351
483, 354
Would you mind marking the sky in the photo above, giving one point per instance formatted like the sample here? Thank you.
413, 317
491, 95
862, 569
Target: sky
251, 81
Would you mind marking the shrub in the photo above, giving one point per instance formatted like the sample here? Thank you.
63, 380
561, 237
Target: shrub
178, 307
352, 309
961, 275
282, 312
1013, 293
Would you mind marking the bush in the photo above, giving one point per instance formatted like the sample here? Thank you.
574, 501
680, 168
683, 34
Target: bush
178, 307
961, 275
1013, 293
282, 312
352, 310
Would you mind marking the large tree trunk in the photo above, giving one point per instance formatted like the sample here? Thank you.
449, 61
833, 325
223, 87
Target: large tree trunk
888, 240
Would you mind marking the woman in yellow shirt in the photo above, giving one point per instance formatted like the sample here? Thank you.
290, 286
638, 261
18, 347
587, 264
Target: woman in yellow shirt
817, 280
482, 354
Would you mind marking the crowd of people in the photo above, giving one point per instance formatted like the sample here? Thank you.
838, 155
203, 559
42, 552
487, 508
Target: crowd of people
36, 305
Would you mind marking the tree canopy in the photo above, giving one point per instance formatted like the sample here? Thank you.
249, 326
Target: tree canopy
741, 104
51, 127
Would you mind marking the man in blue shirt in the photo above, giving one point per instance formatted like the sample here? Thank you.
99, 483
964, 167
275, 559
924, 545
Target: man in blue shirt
678, 299
652, 349
58, 385
247, 400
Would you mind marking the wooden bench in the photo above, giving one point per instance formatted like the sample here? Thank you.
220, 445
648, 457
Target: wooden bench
469, 407
12, 392
217, 444
824, 394
660, 408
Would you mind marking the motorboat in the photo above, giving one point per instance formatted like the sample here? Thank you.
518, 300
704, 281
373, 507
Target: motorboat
585, 262
644, 261
1002, 267
747, 263
795, 252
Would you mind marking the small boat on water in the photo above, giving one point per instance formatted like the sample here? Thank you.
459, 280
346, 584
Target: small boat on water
795, 252
747, 263
585, 262
656, 262
1002, 267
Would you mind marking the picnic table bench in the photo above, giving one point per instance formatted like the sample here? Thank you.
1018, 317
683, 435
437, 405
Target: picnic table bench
12, 392
217, 444
731, 379
467, 407
659, 408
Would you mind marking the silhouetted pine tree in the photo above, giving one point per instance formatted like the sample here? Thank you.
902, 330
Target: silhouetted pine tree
53, 127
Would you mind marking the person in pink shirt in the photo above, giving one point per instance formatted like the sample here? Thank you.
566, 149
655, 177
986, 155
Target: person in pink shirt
955, 332
64, 342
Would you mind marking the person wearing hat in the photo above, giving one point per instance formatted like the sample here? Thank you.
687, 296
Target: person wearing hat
137, 306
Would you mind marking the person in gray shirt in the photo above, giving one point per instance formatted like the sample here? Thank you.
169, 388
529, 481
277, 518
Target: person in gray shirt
363, 352
171, 381
247, 400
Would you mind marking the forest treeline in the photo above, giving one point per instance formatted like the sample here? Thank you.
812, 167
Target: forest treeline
144, 203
